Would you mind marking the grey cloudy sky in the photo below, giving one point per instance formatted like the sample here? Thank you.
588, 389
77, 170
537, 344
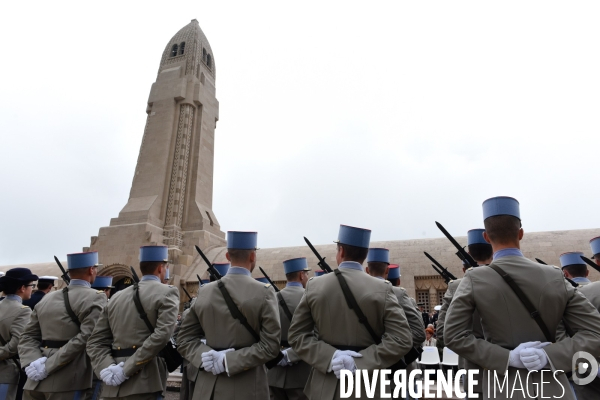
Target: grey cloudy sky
384, 115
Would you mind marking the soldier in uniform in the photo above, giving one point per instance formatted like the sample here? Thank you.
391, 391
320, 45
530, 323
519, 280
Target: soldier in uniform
287, 380
482, 252
574, 267
232, 354
103, 283
516, 346
52, 346
123, 350
44, 286
343, 342
17, 285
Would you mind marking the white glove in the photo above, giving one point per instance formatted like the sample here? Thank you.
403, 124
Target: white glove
534, 359
514, 358
214, 361
113, 375
36, 371
284, 362
343, 359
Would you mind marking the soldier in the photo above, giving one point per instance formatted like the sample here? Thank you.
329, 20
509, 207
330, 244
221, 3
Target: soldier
513, 347
233, 329
394, 277
123, 348
343, 342
482, 252
287, 380
17, 285
188, 371
52, 346
574, 267
44, 286
103, 283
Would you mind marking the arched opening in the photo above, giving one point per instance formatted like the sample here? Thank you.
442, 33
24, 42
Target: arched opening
209, 61
122, 276
174, 50
204, 55
181, 48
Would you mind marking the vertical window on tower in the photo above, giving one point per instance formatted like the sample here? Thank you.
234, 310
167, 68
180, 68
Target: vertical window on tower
204, 54
181, 48
209, 61
174, 50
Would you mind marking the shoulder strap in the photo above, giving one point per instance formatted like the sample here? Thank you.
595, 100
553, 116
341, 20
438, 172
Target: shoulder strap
284, 306
235, 312
535, 314
354, 306
68, 306
140, 309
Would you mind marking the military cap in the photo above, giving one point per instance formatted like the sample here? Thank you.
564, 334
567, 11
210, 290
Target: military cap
262, 280
154, 253
295, 265
319, 272
595, 245
378, 255
501, 205
82, 260
242, 240
222, 268
475, 236
103, 282
353, 236
393, 272
571, 258
47, 279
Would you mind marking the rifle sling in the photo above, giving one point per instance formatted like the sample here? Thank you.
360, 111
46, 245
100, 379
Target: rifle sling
140, 308
68, 306
235, 312
535, 314
354, 306
284, 306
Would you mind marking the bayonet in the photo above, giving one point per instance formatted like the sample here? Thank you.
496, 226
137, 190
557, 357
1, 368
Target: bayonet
322, 263
65, 276
186, 292
211, 270
463, 254
269, 279
136, 278
446, 272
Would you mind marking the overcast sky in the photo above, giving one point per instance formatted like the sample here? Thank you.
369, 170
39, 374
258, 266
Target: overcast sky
383, 115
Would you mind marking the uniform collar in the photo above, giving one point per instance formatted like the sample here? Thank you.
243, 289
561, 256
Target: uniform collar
508, 252
379, 277
14, 297
351, 265
238, 271
580, 279
292, 284
80, 282
150, 278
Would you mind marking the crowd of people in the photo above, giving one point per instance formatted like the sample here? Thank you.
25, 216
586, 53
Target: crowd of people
240, 338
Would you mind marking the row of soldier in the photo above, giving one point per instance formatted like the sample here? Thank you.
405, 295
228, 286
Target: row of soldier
307, 333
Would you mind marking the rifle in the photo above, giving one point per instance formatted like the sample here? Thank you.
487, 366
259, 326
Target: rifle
211, 270
186, 292
462, 254
573, 283
269, 279
445, 277
590, 263
199, 280
136, 278
322, 263
444, 272
65, 276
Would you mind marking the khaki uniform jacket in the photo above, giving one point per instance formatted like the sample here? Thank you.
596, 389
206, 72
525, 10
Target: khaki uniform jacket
68, 367
190, 371
120, 327
413, 315
13, 318
506, 323
324, 307
294, 376
210, 318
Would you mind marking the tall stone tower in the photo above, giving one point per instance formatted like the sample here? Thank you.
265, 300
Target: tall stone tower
171, 195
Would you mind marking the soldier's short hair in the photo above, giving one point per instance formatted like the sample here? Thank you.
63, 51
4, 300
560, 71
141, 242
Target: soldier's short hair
354, 253
239, 254
378, 268
395, 281
480, 251
149, 267
293, 276
502, 229
576, 270
44, 285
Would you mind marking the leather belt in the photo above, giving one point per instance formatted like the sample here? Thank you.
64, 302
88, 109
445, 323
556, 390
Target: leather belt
53, 344
124, 352
351, 348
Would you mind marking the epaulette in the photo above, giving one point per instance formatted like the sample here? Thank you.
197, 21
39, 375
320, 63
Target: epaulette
311, 278
267, 285
556, 267
100, 291
451, 280
24, 306
470, 269
386, 281
171, 286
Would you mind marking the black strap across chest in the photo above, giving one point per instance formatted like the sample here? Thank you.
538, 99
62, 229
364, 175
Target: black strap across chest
284, 307
235, 311
533, 312
140, 308
68, 306
354, 306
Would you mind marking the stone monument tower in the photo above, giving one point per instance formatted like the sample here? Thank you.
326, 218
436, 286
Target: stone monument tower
171, 195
